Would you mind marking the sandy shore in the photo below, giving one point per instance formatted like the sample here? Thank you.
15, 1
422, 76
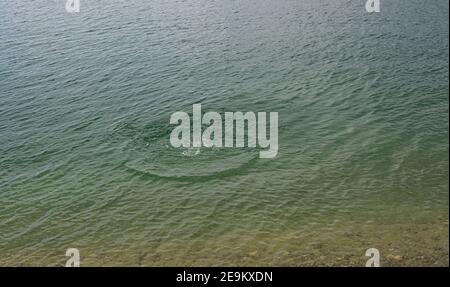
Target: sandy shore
399, 245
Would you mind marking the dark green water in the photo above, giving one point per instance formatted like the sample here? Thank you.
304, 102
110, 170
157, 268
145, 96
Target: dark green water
85, 103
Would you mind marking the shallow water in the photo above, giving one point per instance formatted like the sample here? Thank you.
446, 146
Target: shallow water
85, 103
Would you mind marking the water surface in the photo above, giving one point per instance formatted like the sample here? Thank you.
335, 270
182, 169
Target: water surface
85, 103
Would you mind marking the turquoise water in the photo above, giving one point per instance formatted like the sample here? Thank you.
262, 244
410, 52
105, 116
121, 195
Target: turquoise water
85, 103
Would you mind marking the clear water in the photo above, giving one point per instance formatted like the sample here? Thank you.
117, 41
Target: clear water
85, 102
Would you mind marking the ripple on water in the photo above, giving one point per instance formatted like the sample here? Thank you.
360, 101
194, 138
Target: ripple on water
149, 152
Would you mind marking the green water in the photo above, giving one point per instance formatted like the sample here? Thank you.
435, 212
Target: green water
85, 103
